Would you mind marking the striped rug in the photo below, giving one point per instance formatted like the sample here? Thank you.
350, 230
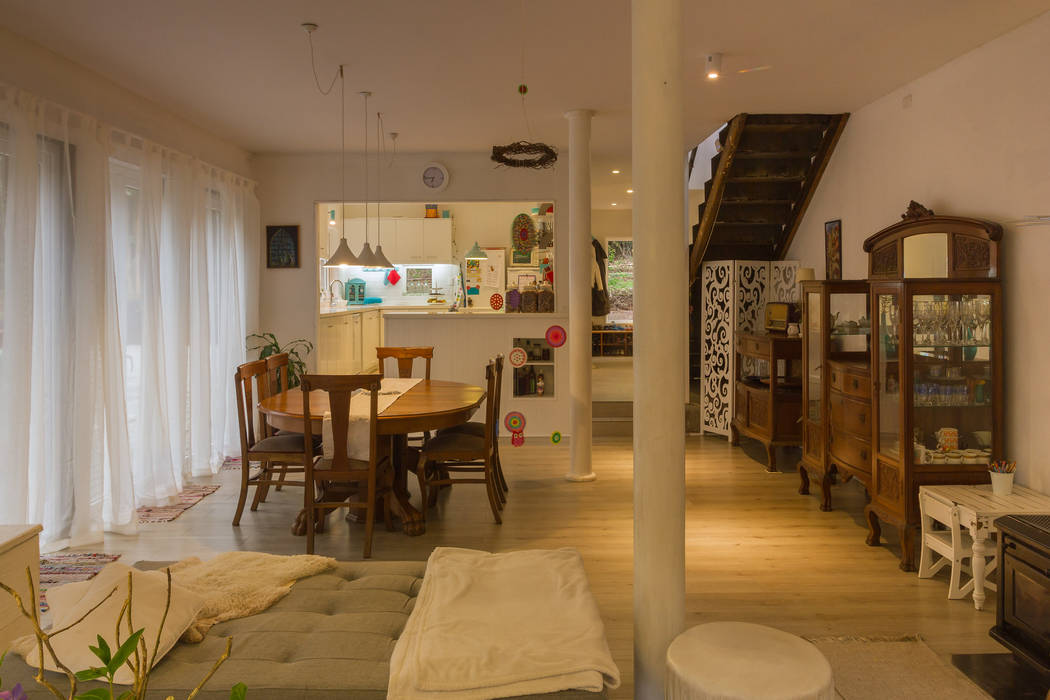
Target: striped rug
190, 496
60, 569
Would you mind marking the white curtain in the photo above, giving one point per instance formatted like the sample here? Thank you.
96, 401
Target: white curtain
124, 293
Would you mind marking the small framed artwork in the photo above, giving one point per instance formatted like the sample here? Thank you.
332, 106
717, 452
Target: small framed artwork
833, 249
282, 246
525, 280
523, 258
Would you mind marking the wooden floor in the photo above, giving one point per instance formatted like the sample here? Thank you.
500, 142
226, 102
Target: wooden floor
756, 550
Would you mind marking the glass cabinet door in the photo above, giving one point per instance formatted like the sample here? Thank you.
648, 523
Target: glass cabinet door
887, 366
952, 394
850, 327
814, 356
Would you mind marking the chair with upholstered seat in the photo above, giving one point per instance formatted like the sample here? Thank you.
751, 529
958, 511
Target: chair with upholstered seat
343, 481
451, 453
279, 455
478, 428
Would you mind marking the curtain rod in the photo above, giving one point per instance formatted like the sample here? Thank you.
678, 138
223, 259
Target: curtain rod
127, 135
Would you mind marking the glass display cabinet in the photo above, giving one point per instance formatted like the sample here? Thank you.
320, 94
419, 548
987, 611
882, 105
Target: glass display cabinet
836, 396
937, 363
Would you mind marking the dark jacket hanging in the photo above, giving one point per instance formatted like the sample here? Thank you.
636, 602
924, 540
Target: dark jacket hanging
599, 286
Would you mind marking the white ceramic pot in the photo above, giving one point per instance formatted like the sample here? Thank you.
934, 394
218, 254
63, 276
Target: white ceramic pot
1002, 483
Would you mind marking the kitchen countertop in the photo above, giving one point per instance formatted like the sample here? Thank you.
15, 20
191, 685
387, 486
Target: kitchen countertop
445, 314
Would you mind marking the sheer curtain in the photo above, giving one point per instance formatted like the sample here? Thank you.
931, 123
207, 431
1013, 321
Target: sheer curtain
124, 288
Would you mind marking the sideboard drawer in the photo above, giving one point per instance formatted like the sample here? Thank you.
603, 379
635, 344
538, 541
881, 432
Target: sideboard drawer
850, 415
851, 450
850, 378
753, 346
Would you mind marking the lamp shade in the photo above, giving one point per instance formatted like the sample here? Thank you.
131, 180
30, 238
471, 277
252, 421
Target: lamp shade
367, 257
381, 259
342, 257
476, 253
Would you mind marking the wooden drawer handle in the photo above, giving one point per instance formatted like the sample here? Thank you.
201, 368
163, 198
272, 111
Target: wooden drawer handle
856, 384
864, 454
861, 418
834, 377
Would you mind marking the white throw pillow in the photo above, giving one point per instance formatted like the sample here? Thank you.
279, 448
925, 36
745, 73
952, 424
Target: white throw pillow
147, 607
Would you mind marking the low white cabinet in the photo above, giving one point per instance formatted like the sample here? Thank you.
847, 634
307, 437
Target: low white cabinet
19, 548
371, 338
346, 342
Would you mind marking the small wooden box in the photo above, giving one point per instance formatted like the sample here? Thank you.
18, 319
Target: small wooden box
19, 548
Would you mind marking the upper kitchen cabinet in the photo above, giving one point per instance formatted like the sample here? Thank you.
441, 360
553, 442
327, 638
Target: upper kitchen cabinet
437, 240
417, 240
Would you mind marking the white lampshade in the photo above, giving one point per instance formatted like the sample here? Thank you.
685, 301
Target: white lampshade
367, 257
342, 257
381, 259
476, 253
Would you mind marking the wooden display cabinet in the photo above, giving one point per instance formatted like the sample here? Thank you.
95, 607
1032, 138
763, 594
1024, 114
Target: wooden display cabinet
937, 363
836, 387
768, 391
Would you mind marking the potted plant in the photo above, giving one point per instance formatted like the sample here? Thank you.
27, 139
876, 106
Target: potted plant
267, 344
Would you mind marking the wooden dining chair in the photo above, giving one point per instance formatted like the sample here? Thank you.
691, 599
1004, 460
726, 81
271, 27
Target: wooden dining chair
446, 455
405, 357
478, 428
330, 482
279, 455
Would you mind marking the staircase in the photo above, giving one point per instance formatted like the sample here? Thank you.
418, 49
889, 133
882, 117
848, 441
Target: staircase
761, 183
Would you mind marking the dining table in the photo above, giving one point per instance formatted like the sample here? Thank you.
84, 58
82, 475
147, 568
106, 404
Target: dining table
430, 405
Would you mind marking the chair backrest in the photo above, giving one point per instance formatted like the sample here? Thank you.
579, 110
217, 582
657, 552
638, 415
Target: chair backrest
277, 373
492, 405
340, 388
404, 356
251, 385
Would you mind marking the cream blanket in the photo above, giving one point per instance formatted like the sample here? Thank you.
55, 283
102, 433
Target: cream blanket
499, 625
238, 584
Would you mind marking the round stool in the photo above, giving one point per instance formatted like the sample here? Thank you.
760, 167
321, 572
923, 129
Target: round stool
742, 661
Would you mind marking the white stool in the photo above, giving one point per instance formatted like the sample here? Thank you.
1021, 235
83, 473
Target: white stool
742, 661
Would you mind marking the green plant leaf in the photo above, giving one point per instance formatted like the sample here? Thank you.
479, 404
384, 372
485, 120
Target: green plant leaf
126, 695
91, 674
102, 650
126, 649
96, 694
239, 692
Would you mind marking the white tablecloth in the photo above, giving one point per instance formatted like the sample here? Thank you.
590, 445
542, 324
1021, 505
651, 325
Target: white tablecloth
360, 406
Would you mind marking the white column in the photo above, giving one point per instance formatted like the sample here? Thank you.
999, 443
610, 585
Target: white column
581, 255
660, 301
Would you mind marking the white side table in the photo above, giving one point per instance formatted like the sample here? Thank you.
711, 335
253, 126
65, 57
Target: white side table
742, 661
978, 508
19, 548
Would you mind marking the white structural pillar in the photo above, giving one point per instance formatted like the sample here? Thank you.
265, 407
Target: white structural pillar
660, 299
581, 256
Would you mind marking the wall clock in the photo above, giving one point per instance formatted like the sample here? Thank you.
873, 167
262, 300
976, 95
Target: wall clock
435, 177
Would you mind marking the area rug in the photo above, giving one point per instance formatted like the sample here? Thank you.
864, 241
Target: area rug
190, 496
231, 464
898, 668
60, 569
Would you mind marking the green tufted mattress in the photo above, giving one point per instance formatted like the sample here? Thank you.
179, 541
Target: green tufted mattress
330, 637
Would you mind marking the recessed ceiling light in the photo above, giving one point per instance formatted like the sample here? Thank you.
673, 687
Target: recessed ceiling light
630, 191
614, 204
713, 65
615, 172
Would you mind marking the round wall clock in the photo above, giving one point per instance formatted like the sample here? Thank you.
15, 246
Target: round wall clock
434, 177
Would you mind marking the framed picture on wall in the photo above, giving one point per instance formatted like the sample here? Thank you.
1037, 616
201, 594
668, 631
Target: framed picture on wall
523, 258
282, 246
833, 249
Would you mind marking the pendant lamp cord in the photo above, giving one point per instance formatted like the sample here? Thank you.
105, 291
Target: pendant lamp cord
379, 176
365, 95
342, 152
313, 65
523, 84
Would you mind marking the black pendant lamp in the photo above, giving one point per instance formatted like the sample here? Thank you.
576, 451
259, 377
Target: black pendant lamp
342, 257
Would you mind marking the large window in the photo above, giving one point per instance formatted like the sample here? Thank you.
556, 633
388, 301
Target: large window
621, 281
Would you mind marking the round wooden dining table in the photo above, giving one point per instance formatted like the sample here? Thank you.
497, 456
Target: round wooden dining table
431, 404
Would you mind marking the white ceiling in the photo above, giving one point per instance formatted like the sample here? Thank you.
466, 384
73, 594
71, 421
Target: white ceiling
445, 73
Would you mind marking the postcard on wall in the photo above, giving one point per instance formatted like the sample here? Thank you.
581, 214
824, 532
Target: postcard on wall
418, 280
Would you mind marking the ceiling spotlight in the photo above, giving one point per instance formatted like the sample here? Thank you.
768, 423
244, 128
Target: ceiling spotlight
615, 172
713, 66
614, 204
630, 191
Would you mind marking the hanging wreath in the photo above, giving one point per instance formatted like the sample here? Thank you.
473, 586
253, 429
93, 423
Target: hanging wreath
525, 154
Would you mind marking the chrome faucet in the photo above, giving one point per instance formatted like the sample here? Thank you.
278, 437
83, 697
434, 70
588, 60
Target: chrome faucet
342, 287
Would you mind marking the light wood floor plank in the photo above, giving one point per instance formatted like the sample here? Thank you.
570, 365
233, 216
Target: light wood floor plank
757, 551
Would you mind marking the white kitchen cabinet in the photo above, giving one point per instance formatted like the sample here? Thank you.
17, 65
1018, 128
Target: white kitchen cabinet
437, 240
409, 241
353, 346
371, 331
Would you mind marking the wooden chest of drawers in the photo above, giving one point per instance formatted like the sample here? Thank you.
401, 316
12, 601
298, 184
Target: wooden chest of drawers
768, 391
849, 403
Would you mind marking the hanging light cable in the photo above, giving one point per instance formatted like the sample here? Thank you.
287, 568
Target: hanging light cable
342, 257
381, 259
366, 256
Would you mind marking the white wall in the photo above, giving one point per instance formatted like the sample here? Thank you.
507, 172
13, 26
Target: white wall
28, 65
974, 142
290, 184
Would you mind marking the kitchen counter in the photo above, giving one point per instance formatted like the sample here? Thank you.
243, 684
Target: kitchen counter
445, 313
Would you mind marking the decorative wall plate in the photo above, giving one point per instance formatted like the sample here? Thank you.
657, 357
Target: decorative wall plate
556, 336
523, 233
517, 439
514, 421
518, 357
496, 301
555, 437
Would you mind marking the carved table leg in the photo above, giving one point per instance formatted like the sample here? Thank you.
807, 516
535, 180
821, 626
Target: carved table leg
907, 533
803, 476
980, 551
825, 490
874, 529
411, 519
734, 435
771, 452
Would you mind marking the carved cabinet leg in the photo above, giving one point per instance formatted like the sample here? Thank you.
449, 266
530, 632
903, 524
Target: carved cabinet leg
825, 491
803, 476
907, 533
874, 528
771, 452
734, 435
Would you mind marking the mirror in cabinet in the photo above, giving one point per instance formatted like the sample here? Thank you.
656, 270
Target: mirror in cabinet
836, 429
936, 367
